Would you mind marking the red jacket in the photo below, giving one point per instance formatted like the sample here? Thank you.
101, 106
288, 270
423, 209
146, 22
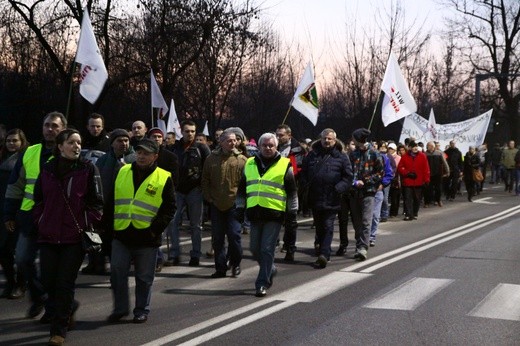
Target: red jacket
418, 165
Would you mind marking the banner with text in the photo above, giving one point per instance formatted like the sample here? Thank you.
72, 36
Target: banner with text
471, 132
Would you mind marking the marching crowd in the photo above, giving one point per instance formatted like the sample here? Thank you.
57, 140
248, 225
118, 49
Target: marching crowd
135, 186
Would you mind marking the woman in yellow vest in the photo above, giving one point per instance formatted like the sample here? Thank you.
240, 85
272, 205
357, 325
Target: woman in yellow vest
268, 192
143, 207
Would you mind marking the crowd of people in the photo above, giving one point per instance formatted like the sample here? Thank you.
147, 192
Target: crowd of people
135, 186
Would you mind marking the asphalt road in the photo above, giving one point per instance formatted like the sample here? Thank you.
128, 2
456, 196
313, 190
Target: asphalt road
451, 277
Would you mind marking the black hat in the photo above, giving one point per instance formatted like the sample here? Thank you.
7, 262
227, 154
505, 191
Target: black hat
148, 145
118, 133
361, 135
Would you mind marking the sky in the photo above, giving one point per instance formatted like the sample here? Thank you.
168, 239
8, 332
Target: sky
319, 27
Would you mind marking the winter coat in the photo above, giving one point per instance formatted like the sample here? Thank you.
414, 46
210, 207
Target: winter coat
327, 174
416, 163
191, 162
367, 166
79, 181
454, 160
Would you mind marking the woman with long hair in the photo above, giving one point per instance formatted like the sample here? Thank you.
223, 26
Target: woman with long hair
14, 143
68, 198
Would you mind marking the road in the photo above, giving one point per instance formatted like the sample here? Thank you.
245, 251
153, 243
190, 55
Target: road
451, 277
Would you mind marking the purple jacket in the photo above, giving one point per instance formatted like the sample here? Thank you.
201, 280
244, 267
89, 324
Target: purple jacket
80, 182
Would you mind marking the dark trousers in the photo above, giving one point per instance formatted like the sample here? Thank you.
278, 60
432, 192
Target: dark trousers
224, 224
59, 264
453, 184
412, 196
395, 199
324, 222
289, 236
433, 190
343, 215
7, 249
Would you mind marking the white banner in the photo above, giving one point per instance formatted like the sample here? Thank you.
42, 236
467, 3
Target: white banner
471, 132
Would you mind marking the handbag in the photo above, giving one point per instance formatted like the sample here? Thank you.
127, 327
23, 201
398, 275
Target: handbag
477, 175
90, 240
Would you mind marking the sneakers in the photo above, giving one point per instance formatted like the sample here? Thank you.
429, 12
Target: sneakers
174, 261
361, 254
56, 340
194, 262
235, 271
321, 261
140, 318
372, 243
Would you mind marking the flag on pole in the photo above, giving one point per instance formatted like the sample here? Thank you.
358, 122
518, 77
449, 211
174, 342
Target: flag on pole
206, 131
398, 101
173, 122
431, 128
93, 73
157, 98
305, 99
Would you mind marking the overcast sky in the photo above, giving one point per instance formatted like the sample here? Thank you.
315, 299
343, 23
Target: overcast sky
320, 26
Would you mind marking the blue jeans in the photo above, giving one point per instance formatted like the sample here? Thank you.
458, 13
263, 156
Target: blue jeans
263, 238
384, 205
361, 211
26, 252
496, 170
192, 201
59, 265
376, 214
144, 264
324, 222
224, 224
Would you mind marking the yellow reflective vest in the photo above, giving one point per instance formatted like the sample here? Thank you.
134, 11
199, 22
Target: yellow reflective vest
141, 207
267, 191
31, 165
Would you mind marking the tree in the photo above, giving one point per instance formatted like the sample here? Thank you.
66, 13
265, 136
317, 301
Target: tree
488, 39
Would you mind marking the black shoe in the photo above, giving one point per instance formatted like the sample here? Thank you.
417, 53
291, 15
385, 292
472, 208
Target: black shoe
194, 262
175, 261
407, 218
235, 270
289, 257
35, 310
89, 269
261, 291
217, 275
140, 318
116, 317
342, 250
321, 261
158, 267
72, 317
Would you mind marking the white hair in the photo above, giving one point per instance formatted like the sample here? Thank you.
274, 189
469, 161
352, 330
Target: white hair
267, 136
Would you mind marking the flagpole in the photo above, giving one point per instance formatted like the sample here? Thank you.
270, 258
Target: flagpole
374, 112
70, 89
286, 114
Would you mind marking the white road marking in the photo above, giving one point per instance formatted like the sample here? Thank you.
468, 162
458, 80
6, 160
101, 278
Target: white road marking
403, 252
502, 303
409, 295
484, 200
305, 293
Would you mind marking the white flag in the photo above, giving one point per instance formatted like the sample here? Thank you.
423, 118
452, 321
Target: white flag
173, 122
157, 98
206, 131
398, 101
305, 99
93, 73
162, 125
431, 129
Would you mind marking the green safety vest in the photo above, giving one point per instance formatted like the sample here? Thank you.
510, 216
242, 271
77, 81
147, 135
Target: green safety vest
267, 191
31, 165
140, 208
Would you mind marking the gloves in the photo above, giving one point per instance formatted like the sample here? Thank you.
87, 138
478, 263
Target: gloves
239, 214
411, 175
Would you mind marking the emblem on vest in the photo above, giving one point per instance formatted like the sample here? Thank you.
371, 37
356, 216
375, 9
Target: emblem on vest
151, 190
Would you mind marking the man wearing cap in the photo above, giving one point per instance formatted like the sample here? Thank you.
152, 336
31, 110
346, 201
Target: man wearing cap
368, 170
168, 161
220, 178
415, 173
120, 153
189, 194
143, 206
